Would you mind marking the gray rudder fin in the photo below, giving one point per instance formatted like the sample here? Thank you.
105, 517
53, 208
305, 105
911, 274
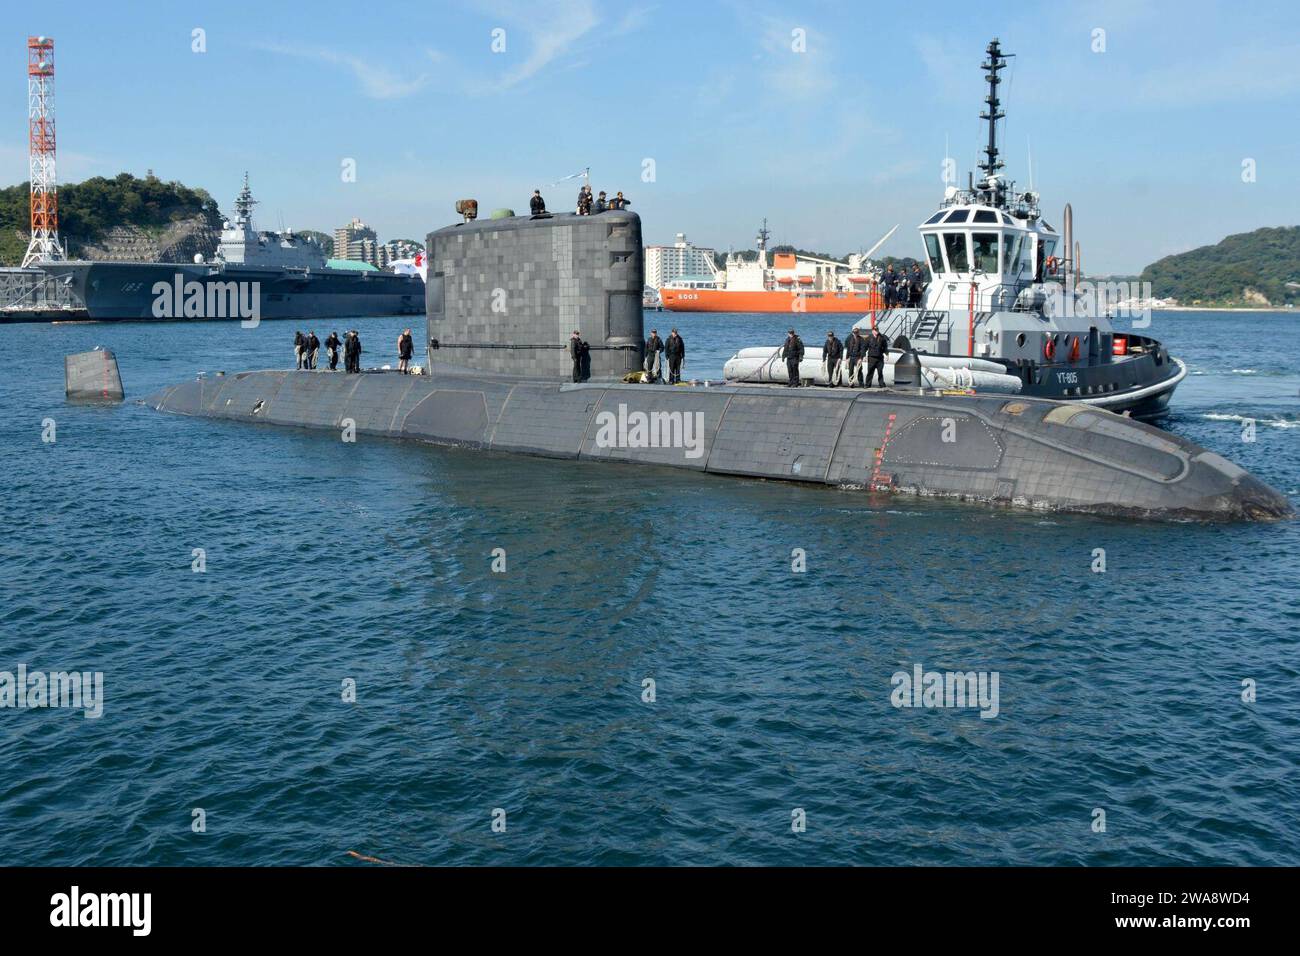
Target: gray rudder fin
92, 377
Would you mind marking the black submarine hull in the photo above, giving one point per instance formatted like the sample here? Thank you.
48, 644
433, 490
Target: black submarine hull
1018, 451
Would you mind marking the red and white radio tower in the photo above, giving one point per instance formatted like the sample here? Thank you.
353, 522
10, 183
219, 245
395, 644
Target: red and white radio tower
40, 137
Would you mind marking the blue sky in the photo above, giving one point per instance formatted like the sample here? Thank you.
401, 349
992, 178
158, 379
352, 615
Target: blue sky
834, 145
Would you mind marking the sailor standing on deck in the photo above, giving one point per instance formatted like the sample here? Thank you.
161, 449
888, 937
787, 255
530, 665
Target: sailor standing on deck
584, 360
575, 353
675, 352
832, 352
792, 352
855, 349
352, 352
299, 342
889, 286
405, 349
917, 285
537, 204
654, 347
877, 349
332, 345
313, 349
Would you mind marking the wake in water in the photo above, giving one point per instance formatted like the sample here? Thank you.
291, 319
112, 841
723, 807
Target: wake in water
1281, 421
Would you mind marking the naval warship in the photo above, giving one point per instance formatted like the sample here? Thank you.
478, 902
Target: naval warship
1006, 304
263, 275
503, 298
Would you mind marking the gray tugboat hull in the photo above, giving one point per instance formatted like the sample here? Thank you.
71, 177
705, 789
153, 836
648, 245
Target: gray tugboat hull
1025, 452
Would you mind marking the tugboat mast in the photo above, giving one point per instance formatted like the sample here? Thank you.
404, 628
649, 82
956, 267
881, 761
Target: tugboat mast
991, 166
991, 66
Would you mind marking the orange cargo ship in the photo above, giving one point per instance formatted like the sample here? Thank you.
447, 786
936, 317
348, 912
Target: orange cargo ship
791, 283
777, 300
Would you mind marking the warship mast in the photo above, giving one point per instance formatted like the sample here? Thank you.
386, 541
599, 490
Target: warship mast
244, 204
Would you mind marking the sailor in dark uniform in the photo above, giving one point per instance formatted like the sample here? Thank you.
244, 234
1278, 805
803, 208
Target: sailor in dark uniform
889, 286
332, 345
654, 347
299, 343
832, 352
405, 349
877, 349
675, 352
352, 351
792, 352
537, 204
575, 353
854, 350
584, 360
917, 285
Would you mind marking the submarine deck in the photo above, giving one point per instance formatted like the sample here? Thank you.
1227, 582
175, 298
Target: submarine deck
999, 449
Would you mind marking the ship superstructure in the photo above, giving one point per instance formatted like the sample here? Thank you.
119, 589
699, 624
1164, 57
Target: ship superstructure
777, 282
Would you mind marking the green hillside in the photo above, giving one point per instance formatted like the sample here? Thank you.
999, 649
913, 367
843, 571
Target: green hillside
326, 241
88, 209
1250, 268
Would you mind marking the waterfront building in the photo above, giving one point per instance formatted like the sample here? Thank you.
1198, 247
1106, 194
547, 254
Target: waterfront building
663, 264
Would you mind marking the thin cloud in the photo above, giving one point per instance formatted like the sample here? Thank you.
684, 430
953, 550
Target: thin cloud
376, 81
552, 28
556, 32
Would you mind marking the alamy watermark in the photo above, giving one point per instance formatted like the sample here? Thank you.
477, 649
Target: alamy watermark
651, 430
948, 689
1091, 300
30, 690
180, 299
129, 910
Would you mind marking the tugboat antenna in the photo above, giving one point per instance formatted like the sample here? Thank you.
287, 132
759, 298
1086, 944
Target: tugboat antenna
991, 66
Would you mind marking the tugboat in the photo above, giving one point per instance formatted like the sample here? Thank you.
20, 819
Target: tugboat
1004, 289
1004, 310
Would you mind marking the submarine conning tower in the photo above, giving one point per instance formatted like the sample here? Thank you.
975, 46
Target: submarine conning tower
504, 295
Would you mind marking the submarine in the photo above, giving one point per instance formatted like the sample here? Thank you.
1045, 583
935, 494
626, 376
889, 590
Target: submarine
505, 295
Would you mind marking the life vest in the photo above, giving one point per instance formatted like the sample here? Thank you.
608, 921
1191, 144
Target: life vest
1053, 264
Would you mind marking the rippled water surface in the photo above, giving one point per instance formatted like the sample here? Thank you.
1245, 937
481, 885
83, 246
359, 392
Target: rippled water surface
523, 691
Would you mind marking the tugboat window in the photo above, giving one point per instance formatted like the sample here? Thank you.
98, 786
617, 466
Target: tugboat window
935, 218
1011, 254
954, 243
958, 215
1020, 340
986, 251
932, 249
985, 215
